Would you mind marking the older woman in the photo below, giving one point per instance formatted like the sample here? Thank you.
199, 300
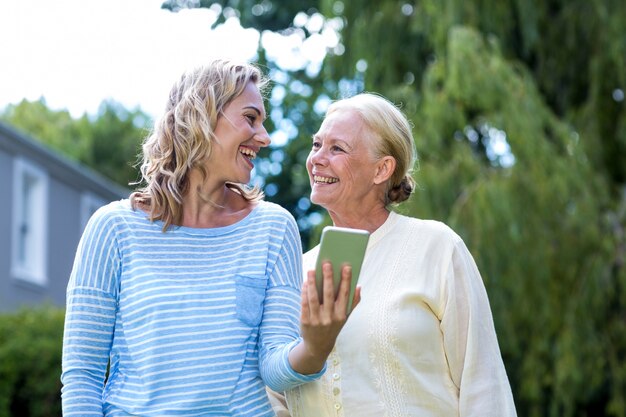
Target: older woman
184, 299
422, 340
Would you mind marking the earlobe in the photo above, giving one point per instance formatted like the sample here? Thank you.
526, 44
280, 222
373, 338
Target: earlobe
384, 169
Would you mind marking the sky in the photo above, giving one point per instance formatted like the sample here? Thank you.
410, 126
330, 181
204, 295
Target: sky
77, 53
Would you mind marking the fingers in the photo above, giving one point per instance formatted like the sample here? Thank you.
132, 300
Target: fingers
329, 287
305, 311
322, 322
343, 293
312, 299
335, 305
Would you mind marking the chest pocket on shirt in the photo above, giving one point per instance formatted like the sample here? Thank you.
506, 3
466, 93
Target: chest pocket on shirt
250, 294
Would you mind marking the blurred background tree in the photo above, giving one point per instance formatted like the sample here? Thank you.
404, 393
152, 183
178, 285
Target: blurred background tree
30, 362
519, 118
108, 142
520, 124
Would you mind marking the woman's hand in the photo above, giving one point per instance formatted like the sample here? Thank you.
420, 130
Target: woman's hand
320, 323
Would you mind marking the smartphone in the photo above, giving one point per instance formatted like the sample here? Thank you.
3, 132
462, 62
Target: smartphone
341, 246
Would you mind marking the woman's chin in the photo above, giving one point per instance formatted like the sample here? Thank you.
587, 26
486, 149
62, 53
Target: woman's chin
321, 199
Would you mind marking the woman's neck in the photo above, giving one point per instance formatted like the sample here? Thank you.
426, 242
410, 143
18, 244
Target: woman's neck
221, 207
370, 220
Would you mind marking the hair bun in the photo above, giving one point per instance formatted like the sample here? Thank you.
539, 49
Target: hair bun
402, 191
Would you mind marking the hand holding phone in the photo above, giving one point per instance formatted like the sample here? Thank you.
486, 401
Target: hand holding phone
341, 246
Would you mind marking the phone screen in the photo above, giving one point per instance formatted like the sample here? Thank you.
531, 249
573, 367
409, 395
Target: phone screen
340, 246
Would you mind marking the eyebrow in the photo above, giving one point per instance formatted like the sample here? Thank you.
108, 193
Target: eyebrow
332, 140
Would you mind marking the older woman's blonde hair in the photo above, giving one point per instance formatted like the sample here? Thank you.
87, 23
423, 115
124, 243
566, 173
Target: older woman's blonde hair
182, 139
391, 133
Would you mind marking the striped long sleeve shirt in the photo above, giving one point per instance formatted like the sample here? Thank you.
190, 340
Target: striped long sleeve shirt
188, 322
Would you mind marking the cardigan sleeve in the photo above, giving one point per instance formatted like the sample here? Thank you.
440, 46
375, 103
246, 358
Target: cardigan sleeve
470, 341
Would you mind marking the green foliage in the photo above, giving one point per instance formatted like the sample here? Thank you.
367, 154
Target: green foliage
261, 15
30, 362
520, 121
109, 142
56, 129
535, 228
574, 51
115, 136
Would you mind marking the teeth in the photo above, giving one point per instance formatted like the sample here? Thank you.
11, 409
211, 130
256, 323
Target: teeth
248, 152
325, 180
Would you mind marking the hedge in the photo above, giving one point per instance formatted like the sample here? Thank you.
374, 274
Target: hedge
30, 362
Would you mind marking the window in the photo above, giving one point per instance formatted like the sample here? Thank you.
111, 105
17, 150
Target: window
30, 208
89, 203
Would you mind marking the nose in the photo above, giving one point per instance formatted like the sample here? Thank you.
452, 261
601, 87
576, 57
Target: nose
262, 136
318, 157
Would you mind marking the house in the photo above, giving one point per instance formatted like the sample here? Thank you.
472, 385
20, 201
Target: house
46, 202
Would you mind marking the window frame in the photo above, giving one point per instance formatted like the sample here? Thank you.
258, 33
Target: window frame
31, 265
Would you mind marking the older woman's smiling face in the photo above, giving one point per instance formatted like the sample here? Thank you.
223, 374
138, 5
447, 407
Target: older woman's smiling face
340, 165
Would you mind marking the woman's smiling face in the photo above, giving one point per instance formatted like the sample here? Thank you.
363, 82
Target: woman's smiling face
340, 165
240, 135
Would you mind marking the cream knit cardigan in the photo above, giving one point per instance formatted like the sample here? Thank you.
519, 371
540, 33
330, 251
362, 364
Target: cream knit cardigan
422, 341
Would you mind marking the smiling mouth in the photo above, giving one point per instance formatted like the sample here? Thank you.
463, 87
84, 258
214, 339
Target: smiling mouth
247, 153
318, 179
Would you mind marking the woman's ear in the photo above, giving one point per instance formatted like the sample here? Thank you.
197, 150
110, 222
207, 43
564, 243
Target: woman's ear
384, 169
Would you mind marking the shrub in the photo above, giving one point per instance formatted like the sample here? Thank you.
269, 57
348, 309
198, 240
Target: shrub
30, 362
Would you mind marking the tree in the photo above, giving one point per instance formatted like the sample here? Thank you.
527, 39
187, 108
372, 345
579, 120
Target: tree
108, 142
491, 79
556, 260
56, 129
115, 135
520, 120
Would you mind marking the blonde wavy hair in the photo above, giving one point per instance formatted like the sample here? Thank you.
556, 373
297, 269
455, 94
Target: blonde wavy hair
182, 139
391, 132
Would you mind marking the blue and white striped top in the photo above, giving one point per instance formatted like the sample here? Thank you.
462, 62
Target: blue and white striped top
193, 321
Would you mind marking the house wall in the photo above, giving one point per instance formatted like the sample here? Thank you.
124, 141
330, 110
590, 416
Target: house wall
67, 184
6, 181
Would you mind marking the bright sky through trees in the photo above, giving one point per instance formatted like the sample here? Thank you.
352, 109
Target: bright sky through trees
76, 53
